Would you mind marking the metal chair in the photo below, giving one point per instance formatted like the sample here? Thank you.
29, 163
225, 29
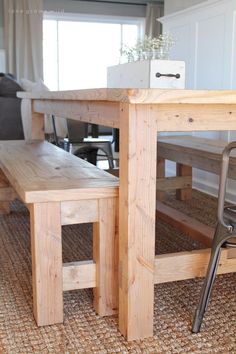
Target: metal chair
80, 145
225, 235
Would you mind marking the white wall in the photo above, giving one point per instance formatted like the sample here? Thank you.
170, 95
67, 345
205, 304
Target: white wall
177, 5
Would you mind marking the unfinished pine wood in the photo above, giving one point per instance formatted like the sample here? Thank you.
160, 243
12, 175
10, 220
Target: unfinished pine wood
188, 265
163, 110
160, 195
42, 172
231, 252
137, 221
46, 249
170, 183
37, 126
105, 255
79, 275
186, 110
184, 193
7, 194
190, 117
4, 200
159, 96
26, 116
185, 224
96, 112
33, 122
78, 212
201, 153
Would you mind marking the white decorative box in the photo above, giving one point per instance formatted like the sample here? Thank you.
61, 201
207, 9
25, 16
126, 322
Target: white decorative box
147, 74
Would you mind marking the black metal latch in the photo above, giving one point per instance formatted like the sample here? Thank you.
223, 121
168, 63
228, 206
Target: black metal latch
177, 76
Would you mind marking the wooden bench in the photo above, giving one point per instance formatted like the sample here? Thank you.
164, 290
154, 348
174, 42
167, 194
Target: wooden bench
61, 189
188, 152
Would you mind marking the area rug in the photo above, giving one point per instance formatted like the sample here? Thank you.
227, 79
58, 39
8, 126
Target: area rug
85, 332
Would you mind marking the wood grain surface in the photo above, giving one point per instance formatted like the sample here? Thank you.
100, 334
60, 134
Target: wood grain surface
41, 172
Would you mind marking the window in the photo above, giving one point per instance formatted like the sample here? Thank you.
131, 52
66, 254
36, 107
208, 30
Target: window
77, 51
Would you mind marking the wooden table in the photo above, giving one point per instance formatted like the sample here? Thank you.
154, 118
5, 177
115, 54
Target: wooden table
140, 114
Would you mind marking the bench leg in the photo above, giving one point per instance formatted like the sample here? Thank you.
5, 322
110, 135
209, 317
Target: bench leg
46, 247
105, 254
4, 204
161, 196
186, 193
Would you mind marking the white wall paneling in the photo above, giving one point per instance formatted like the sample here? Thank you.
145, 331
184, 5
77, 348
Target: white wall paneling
206, 40
177, 5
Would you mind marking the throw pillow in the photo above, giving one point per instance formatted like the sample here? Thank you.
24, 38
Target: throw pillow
33, 86
61, 125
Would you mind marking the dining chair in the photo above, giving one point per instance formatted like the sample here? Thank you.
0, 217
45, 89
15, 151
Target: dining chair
225, 234
78, 143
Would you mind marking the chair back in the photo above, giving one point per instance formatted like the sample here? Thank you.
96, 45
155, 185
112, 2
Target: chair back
77, 131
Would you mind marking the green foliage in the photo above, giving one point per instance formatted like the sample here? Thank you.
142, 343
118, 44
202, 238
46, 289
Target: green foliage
149, 48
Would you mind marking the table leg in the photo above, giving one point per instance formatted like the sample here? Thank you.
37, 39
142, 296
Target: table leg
46, 246
33, 123
137, 221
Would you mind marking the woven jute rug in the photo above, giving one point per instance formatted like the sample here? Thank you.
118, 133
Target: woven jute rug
85, 332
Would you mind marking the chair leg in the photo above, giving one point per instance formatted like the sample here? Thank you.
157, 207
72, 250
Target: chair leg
106, 148
219, 238
116, 139
108, 151
90, 150
66, 145
88, 153
95, 130
92, 156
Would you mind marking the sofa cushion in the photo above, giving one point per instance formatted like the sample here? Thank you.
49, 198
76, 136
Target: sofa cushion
9, 86
10, 119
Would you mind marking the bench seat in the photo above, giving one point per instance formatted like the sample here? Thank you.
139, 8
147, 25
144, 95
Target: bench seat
188, 152
41, 172
60, 189
202, 153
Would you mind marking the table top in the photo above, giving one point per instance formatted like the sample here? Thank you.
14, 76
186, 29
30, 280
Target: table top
138, 96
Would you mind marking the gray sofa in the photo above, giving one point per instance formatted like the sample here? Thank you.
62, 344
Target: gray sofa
11, 127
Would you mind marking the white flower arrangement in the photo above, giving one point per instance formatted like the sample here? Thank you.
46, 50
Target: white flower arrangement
149, 48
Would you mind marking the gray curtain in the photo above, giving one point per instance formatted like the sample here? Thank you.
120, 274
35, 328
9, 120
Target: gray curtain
153, 28
23, 21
